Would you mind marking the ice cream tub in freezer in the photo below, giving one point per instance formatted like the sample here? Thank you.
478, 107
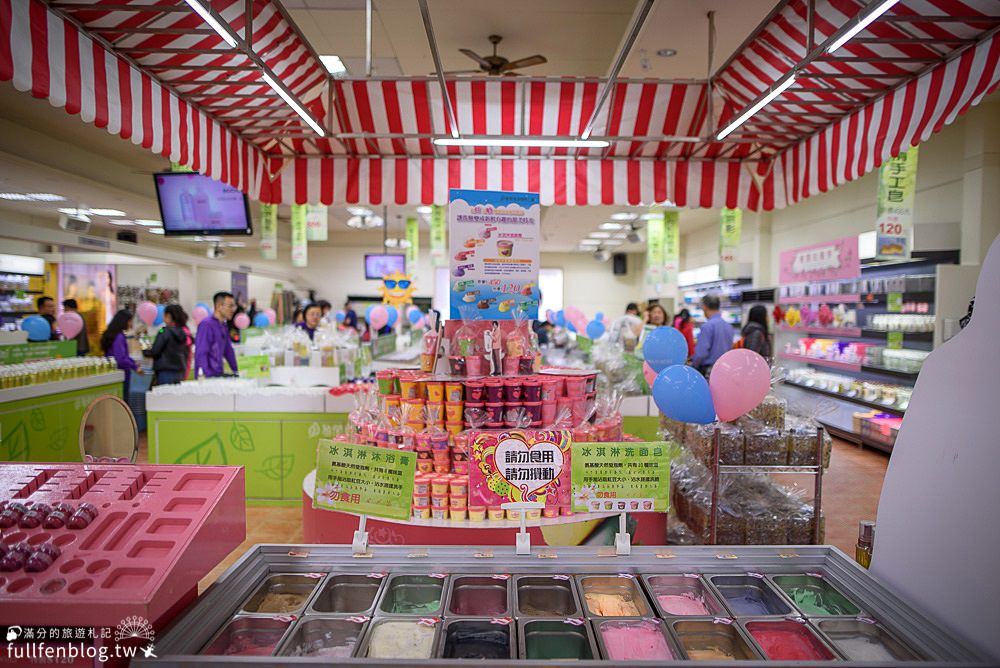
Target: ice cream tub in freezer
787, 640
400, 638
477, 639
479, 596
348, 594
249, 636
414, 595
560, 639
749, 596
612, 596
713, 640
634, 639
865, 640
682, 596
282, 594
545, 595
814, 596
324, 637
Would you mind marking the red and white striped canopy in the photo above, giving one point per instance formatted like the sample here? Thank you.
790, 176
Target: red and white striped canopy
153, 72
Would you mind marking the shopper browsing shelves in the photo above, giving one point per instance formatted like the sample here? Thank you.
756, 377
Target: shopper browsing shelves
715, 339
171, 347
755, 336
212, 344
115, 345
683, 324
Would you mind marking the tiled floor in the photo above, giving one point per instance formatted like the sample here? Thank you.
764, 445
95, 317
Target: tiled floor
851, 489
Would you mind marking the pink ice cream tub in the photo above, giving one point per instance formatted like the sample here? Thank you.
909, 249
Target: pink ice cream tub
513, 389
475, 391
549, 411
576, 386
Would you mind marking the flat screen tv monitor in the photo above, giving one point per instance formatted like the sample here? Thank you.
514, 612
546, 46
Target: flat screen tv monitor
377, 266
193, 204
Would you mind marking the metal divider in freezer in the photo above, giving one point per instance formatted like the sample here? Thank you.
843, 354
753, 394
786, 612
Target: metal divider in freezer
904, 631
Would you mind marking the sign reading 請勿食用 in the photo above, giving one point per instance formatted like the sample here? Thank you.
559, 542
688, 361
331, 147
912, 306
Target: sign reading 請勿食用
493, 247
363, 479
622, 477
897, 185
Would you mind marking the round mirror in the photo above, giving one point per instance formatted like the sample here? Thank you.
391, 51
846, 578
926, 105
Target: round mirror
108, 433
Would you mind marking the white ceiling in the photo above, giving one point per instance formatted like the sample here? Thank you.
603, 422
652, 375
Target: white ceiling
43, 149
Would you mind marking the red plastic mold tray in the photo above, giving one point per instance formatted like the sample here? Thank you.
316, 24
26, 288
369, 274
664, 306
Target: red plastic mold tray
159, 531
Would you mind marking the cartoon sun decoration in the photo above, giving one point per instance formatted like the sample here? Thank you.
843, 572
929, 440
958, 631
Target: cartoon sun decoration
397, 289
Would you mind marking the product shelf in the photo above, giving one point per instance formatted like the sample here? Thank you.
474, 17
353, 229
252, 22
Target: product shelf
821, 299
854, 400
852, 332
904, 375
912, 336
845, 366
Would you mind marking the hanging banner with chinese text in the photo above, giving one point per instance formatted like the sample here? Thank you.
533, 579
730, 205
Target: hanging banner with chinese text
316, 222
300, 248
897, 185
620, 477
654, 254
730, 228
413, 249
671, 247
364, 479
269, 231
493, 253
439, 237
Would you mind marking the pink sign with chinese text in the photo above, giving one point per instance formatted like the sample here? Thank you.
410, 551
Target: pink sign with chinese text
520, 465
828, 261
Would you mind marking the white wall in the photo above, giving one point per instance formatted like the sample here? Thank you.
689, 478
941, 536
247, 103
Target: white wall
591, 286
335, 273
167, 276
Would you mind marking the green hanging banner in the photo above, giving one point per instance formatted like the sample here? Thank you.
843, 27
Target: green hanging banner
413, 249
316, 222
178, 167
269, 231
671, 247
730, 228
654, 254
897, 186
300, 248
439, 237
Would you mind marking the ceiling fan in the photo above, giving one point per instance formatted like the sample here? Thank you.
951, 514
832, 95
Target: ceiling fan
498, 65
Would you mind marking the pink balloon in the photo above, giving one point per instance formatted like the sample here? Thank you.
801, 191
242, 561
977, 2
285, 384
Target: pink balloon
271, 315
198, 313
70, 324
379, 317
146, 312
242, 321
648, 374
739, 382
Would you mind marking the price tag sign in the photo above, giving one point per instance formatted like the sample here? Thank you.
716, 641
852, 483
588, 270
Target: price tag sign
894, 340
621, 477
894, 302
254, 366
364, 479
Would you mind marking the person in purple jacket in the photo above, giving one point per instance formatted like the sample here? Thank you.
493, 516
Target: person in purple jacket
212, 343
115, 345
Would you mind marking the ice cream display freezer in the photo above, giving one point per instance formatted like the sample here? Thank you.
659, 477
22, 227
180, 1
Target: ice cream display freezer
419, 606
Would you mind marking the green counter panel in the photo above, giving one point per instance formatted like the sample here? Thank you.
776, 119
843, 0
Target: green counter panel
276, 449
47, 428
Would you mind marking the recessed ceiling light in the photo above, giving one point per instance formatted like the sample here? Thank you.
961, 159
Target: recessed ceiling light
613, 242
623, 216
236, 244
15, 197
423, 210
599, 235
122, 222
590, 242
333, 64
148, 222
106, 212
611, 226
651, 216
620, 235
359, 211
46, 197
666, 53
156, 230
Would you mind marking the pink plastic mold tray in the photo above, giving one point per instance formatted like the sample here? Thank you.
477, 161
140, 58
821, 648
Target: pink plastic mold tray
159, 530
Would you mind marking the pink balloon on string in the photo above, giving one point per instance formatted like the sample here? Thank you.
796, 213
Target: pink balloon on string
146, 312
198, 313
242, 321
378, 318
70, 324
271, 315
648, 373
739, 382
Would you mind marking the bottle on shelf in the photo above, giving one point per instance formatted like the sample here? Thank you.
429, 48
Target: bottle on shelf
866, 540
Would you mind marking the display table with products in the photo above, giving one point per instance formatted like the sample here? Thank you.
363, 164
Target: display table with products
272, 432
41, 422
423, 605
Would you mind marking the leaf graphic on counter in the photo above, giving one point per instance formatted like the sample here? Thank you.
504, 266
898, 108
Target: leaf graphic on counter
241, 439
16, 442
37, 419
209, 451
57, 440
278, 467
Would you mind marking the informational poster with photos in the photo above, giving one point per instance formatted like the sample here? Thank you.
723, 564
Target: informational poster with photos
493, 249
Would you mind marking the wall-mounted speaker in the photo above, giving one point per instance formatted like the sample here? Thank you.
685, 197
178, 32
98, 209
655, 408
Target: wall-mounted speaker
128, 237
620, 261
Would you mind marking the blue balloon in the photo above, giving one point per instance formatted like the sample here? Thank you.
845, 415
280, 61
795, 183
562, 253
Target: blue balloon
340, 316
208, 309
37, 327
571, 327
599, 316
160, 308
368, 313
682, 394
561, 318
393, 314
414, 316
595, 329
261, 320
663, 347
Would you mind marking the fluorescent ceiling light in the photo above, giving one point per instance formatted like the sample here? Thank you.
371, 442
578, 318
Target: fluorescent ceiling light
15, 197
621, 235
77, 213
333, 64
623, 216
290, 101
122, 222
106, 212
611, 226
46, 197
600, 235
423, 210
236, 244
223, 31
777, 90
532, 143
146, 222
613, 242
359, 211
654, 216
590, 242
155, 230
863, 22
